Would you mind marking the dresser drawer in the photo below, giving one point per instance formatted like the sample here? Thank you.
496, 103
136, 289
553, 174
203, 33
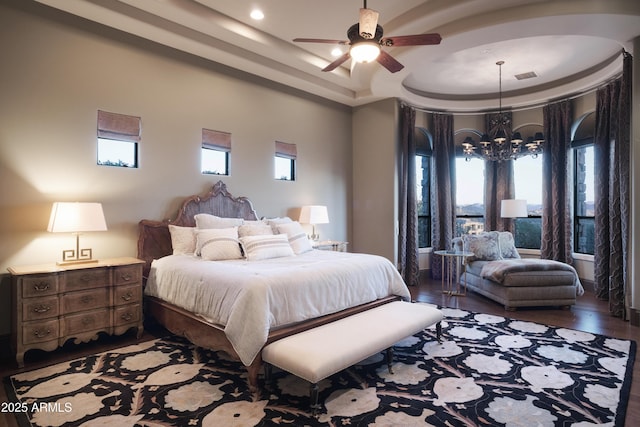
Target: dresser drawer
40, 308
127, 314
34, 332
38, 285
84, 300
127, 294
84, 322
86, 279
127, 274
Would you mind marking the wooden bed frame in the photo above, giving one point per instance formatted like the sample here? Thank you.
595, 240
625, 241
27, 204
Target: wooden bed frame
154, 241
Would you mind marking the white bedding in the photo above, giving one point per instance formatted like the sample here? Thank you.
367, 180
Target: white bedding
248, 298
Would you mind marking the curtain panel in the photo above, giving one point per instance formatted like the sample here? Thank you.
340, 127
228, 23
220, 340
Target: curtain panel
612, 153
443, 194
408, 209
557, 217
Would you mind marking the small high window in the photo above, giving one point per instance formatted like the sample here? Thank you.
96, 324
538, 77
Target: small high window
285, 161
118, 138
216, 147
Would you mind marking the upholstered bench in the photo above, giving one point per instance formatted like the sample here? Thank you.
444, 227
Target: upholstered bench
320, 352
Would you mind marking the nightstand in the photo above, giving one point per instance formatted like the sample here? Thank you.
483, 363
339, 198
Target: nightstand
52, 303
330, 245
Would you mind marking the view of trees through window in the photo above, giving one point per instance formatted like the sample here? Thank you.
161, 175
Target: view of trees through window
112, 152
527, 176
469, 196
424, 200
584, 210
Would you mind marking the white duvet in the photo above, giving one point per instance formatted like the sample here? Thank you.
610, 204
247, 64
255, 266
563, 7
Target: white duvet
248, 298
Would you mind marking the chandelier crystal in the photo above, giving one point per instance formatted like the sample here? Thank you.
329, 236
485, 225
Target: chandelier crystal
502, 146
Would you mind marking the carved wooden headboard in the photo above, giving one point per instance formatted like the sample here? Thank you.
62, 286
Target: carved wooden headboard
154, 240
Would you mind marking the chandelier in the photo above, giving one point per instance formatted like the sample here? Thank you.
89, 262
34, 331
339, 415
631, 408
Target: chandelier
502, 146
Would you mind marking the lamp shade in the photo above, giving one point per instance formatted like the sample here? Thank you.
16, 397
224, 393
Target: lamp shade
314, 214
76, 217
513, 208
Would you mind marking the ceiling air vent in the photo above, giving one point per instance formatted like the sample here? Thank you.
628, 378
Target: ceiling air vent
523, 76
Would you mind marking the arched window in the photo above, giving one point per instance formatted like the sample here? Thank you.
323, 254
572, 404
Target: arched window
422, 139
584, 184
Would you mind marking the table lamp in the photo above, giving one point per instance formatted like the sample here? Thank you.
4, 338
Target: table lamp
314, 214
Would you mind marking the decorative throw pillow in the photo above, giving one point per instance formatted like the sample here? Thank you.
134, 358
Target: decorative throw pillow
215, 244
261, 229
507, 245
274, 222
483, 245
212, 221
183, 239
298, 239
266, 247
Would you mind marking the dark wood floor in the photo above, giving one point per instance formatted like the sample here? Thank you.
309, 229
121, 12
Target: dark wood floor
588, 314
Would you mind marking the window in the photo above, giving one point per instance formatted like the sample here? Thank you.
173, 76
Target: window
423, 195
527, 176
118, 137
584, 205
216, 147
285, 161
469, 196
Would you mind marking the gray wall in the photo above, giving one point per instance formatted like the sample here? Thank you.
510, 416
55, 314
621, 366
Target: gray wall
57, 71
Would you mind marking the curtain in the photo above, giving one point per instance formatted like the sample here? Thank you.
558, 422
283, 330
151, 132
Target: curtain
498, 179
612, 155
408, 210
443, 194
556, 184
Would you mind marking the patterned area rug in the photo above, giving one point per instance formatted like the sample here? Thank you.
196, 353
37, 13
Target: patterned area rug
488, 370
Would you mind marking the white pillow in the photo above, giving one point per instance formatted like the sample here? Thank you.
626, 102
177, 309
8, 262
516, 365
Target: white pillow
274, 222
266, 247
183, 239
298, 239
215, 244
212, 221
254, 230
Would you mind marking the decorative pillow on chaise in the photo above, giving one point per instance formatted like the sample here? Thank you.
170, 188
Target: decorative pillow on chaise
298, 239
183, 239
507, 245
266, 247
216, 244
483, 245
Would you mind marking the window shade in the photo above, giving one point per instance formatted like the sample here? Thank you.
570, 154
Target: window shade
288, 151
118, 126
216, 140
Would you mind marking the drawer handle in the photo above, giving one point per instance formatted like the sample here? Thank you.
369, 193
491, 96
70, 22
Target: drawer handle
126, 277
86, 321
127, 296
86, 299
41, 334
126, 316
41, 308
41, 287
86, 278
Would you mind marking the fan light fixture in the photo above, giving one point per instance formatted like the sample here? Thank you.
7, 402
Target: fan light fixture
501, 147
365, 51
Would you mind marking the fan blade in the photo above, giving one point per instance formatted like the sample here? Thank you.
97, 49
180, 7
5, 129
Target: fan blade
335, 64
414, 40
320, 41
368, 23
389, 62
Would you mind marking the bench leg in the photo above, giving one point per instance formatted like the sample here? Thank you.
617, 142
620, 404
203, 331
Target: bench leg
313, 398
390, 359
268, 369
439, 332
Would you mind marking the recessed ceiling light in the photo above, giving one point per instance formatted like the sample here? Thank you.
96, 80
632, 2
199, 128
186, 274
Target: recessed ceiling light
336, 52
257, 14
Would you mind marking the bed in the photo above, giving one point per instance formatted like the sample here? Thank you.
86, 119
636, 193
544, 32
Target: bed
240, 305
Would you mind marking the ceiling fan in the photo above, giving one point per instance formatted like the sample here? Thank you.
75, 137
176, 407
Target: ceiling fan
365, 39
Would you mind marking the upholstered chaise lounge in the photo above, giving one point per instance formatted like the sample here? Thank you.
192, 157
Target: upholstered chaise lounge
497, 271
